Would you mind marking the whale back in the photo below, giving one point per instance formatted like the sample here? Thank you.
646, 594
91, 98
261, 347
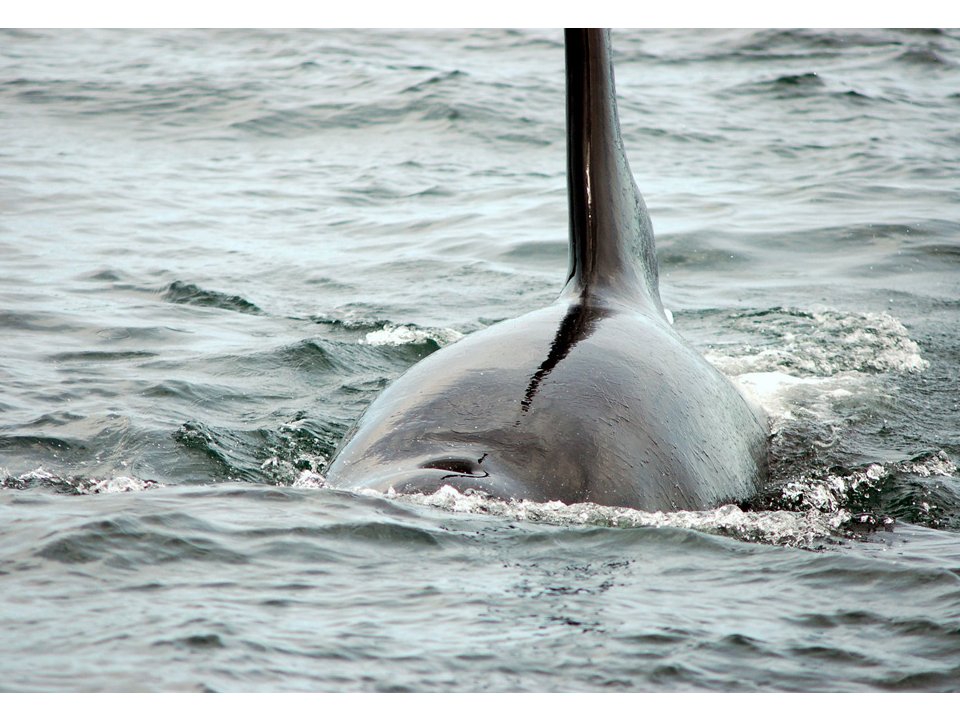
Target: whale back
612, 251
594, 398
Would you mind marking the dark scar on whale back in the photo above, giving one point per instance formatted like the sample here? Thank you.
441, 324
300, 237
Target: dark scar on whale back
578, 324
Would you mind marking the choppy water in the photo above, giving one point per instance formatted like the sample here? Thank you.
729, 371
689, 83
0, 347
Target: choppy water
216, 247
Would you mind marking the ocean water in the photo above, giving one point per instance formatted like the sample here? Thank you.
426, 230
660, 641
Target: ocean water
217, 247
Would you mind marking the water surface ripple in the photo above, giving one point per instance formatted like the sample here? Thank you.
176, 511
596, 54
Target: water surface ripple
216, 247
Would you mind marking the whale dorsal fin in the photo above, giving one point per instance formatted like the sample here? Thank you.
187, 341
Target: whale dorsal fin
612, 250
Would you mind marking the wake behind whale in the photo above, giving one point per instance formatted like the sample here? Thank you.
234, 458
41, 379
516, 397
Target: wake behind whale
594, 398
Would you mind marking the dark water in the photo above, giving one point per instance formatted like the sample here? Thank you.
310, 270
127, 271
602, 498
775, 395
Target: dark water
217, 247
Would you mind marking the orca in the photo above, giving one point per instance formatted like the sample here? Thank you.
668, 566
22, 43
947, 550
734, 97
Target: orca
594, 398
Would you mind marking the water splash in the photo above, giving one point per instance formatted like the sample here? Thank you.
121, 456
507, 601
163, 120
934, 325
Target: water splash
778, 527
820, 344
309, 480
410, 335
865, 494
935, 464
76, 485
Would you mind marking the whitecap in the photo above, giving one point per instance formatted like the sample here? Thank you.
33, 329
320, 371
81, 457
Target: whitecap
410, 335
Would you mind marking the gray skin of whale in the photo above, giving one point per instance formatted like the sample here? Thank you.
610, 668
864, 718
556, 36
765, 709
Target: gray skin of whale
594, 398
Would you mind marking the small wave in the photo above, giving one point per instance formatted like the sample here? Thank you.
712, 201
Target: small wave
935, 464
385, 111
132, 542
228, 454
99, 356
807, 42
784, 86
76, 485
870, 494
182, 293
314, 355
351, 317
937, 252
923, 56
59, 91
435, 80
925, 490
809, 79
805, 85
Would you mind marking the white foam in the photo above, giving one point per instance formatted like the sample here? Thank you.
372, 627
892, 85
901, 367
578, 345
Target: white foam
829, 492
80, 485
823, 344
410, 335
811, 363
310, 480
935, 465
778, 527
299, 470
119, 484
784, 397
35, 476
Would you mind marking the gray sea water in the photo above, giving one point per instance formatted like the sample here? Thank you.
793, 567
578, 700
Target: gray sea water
217, 247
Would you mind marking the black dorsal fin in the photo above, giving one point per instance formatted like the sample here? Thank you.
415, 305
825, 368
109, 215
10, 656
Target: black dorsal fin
612, 250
